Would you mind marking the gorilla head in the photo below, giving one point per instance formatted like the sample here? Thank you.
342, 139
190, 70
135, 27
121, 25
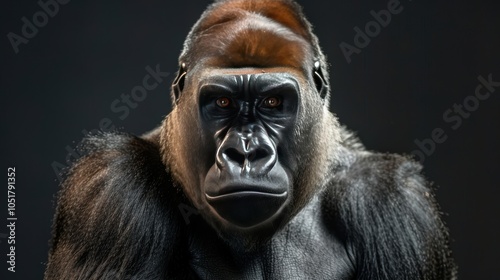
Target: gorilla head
251, 102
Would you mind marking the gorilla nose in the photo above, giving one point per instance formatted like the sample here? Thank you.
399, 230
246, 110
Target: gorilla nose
250, 156
243, 158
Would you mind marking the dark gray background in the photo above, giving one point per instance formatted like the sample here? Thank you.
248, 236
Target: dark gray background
427, 59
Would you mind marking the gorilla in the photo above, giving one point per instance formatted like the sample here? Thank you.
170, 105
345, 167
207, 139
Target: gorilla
250, 176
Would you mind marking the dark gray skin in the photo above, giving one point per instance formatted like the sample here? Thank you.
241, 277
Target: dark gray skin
249, 177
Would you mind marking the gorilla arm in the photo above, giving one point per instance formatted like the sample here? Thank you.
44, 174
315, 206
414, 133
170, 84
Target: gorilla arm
389, 219
113, 220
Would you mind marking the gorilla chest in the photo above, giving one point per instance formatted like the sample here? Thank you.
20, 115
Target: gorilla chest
304, 249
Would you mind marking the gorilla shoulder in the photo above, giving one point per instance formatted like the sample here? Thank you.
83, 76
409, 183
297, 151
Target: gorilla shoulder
382, 206
119, 179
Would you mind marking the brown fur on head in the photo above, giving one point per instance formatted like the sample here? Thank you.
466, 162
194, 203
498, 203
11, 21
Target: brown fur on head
242, 33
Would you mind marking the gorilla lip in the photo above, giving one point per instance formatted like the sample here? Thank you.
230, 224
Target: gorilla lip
241, 194
239, 188
247, 208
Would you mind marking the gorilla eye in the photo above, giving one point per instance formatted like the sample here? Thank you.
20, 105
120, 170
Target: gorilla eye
223, 102
272, 102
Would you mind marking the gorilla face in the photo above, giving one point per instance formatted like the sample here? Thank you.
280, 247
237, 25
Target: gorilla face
250, 117
247, 137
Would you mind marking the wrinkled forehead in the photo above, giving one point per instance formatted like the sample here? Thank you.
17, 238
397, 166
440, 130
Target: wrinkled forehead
251, 41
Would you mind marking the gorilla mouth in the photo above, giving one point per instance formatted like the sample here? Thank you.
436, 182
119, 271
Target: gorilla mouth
243, 188
246, 208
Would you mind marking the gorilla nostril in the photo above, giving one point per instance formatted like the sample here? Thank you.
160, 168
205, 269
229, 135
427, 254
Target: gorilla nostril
235, 156
258, 154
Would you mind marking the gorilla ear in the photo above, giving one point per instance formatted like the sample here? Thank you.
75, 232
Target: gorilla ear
178, 84
319, 80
